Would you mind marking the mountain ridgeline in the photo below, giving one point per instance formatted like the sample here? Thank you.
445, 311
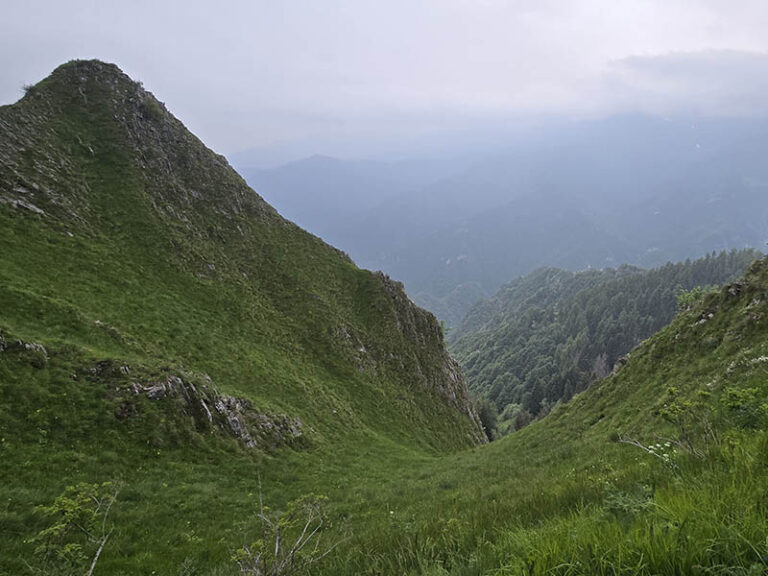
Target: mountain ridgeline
151, 301
115, 215
154, 309
627, 189
546, 336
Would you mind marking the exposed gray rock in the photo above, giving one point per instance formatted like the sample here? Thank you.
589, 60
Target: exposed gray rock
34, 347
432, 367
230, 414
34, 352
20, 203
620, 363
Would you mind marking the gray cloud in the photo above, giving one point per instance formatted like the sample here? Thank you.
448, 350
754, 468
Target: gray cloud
247, 73
724, 82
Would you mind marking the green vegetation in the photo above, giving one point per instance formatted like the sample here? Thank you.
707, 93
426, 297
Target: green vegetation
548, 335
163, 326
78, 530
288, 542
658, 469
165, 331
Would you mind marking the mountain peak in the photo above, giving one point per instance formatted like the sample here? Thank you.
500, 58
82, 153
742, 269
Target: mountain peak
89, 154
90, 69
91, 111
94, 85
80, 77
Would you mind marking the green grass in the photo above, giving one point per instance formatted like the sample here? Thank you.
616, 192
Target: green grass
290, 324
563, 497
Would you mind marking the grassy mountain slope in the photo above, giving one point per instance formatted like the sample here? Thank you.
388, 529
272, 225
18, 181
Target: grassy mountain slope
547, 335
136, 350
660, 468
160, 321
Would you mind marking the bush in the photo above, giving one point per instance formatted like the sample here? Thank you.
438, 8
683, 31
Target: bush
288, 542
78, 531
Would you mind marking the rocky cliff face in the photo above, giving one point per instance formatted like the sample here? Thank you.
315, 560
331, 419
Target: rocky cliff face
435, 368
89, 154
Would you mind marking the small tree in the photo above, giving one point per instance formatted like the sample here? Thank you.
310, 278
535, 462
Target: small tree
687, 298
288, 542
79, 529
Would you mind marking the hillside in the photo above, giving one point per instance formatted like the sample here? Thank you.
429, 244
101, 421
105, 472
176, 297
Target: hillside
164, 330
546, 336
158, 317
660, 468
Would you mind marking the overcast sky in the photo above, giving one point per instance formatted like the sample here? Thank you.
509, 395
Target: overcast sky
255, 73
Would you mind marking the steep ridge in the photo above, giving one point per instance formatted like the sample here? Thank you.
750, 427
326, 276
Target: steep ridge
90, 155
150, 301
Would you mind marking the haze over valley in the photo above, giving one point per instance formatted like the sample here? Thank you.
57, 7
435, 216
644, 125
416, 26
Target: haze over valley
633, 189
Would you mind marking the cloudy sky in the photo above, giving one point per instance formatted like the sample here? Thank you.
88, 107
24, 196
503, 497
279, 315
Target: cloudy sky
260, 73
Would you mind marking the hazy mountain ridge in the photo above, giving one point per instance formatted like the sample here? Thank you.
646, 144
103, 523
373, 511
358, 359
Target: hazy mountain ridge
634, 189
341, 199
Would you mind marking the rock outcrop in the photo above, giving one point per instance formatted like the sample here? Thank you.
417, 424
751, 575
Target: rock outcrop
228, 414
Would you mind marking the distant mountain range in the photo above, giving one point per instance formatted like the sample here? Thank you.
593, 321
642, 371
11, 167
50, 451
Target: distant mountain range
637, 190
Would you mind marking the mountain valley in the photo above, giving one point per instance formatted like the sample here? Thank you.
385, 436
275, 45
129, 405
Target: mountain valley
190, 382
